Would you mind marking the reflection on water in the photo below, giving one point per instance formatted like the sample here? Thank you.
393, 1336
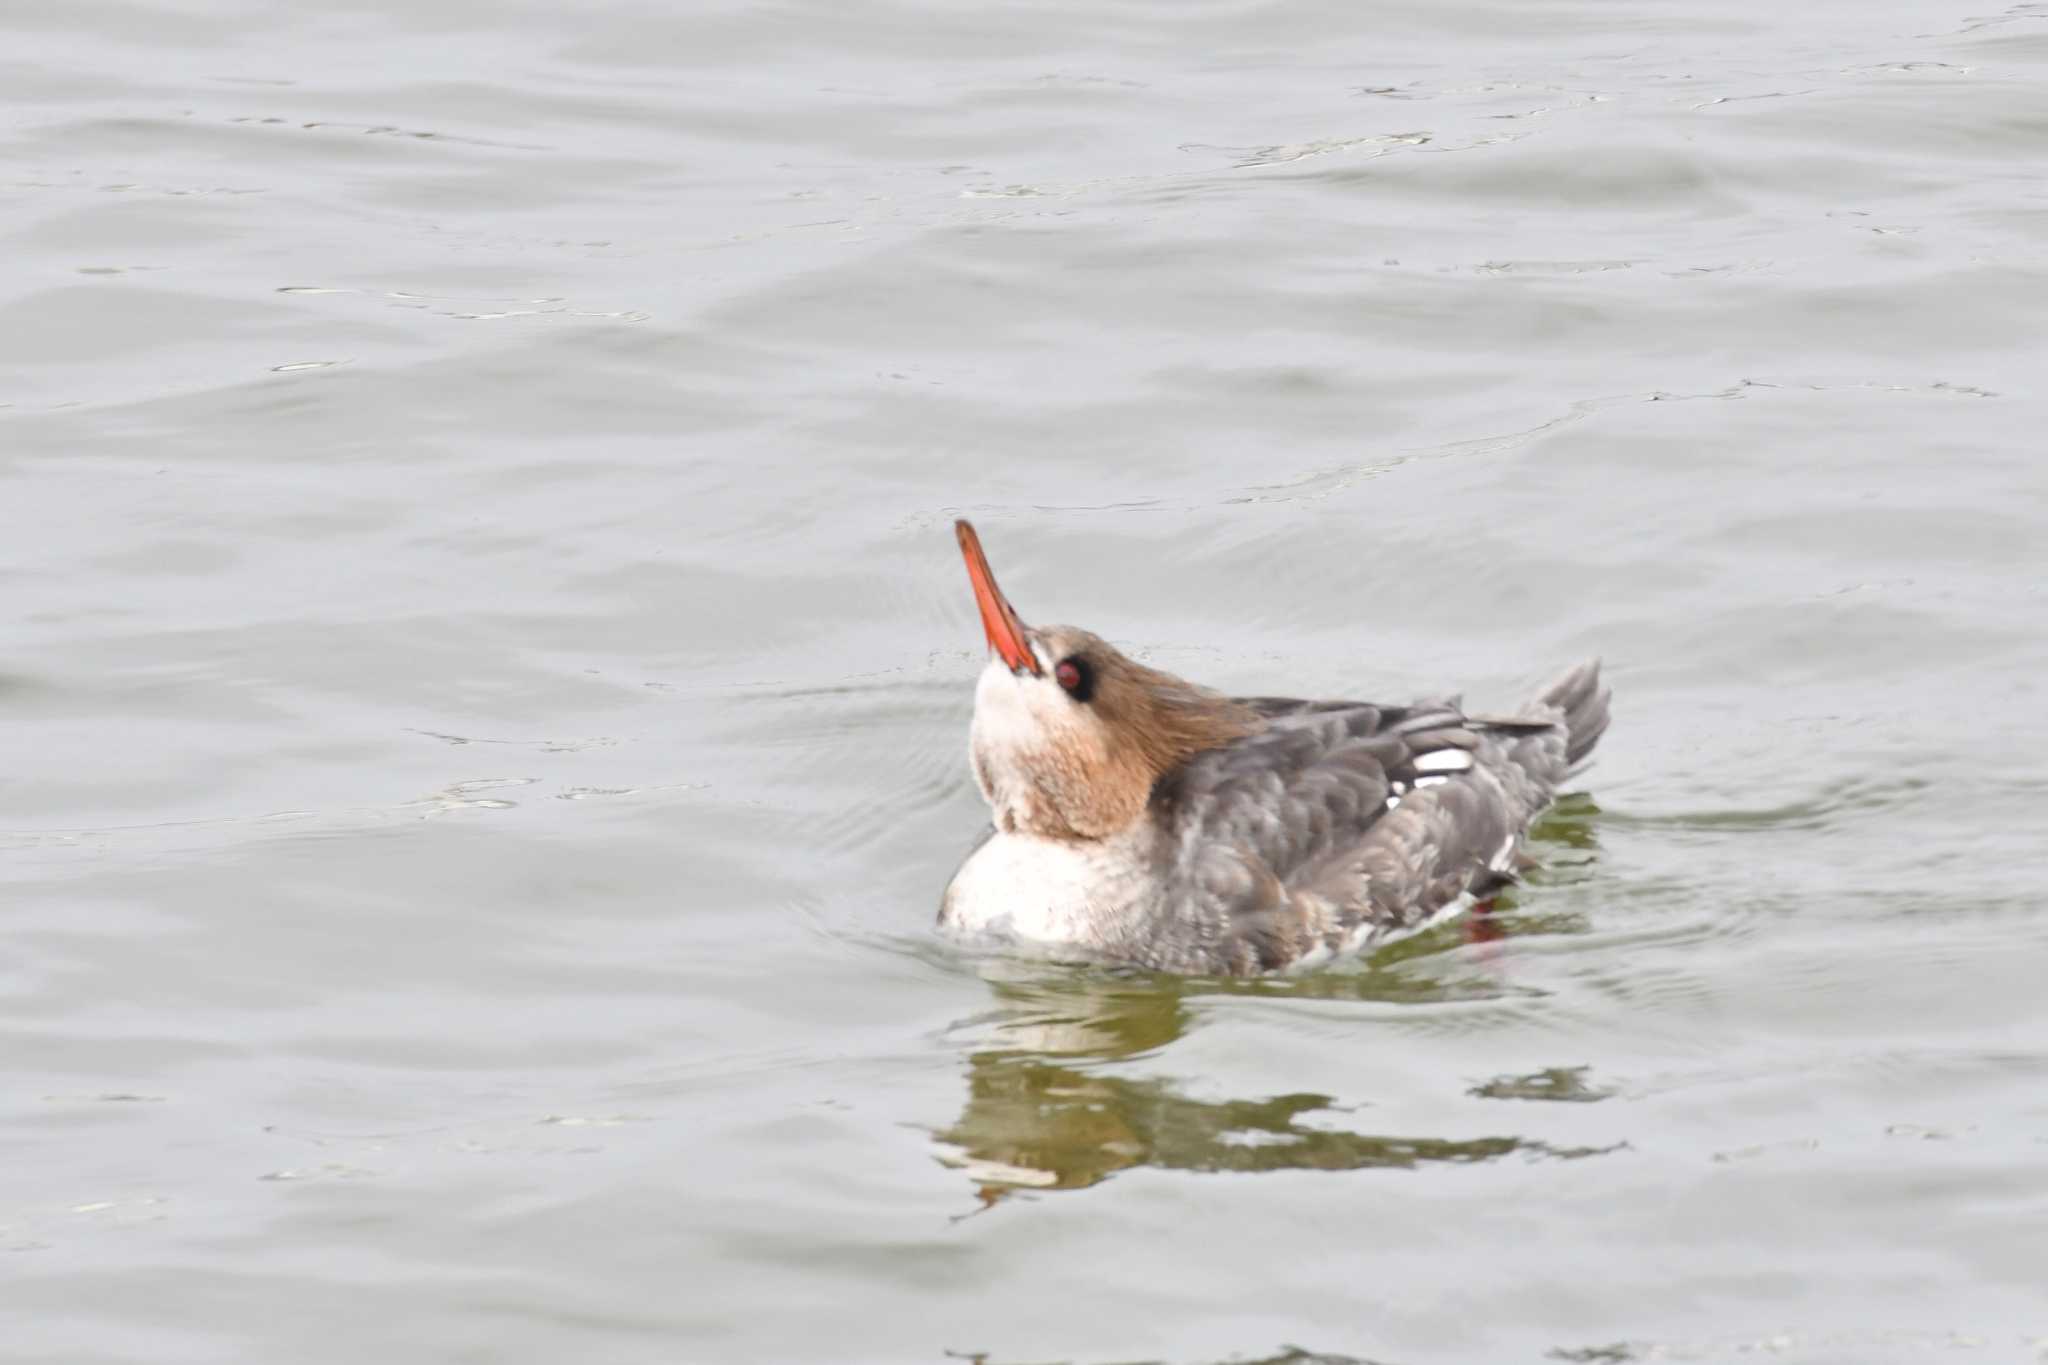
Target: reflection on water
1566, 1084
1046, 1110
1291, 1355
1034, 1124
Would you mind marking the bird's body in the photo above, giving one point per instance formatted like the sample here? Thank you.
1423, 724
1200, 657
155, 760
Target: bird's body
1144, 821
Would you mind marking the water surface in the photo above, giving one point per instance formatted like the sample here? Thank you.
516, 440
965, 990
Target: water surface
487, 671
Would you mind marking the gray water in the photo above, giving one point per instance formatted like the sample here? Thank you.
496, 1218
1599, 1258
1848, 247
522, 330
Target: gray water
486, 669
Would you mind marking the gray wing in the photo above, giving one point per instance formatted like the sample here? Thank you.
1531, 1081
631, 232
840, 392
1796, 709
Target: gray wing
1340, 820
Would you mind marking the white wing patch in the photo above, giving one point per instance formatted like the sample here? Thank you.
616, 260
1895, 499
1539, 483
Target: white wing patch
1432, 768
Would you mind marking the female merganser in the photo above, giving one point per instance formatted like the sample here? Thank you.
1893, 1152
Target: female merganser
1142, 820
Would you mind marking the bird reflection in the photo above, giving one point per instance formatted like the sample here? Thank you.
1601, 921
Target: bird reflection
1289, 1355
1044, 1112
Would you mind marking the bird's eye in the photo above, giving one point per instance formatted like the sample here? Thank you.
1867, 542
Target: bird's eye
1075, 677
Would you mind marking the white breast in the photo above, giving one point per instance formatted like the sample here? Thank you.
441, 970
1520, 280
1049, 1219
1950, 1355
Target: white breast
1052, 892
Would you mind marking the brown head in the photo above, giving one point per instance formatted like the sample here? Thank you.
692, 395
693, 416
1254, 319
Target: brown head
1069, 735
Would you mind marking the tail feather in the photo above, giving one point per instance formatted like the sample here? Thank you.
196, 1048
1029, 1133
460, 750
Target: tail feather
1581, 699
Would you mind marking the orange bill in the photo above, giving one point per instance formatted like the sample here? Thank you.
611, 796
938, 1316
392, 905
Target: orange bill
998, 617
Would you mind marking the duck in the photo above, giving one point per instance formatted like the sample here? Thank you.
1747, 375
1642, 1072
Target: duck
1139, 820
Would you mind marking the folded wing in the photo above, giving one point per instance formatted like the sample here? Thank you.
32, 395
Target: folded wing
1341, 821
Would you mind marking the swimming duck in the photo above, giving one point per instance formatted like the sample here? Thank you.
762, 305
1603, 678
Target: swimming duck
1141, 820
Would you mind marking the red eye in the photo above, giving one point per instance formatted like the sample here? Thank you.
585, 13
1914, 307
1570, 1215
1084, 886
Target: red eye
1076, 676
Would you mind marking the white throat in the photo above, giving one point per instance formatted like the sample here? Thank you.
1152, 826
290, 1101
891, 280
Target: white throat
1026, 741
